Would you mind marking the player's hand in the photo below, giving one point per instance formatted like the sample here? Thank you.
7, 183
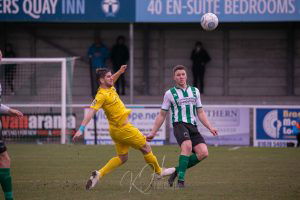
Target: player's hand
214, 131
77, 135
14, 112
123, 68
150, 137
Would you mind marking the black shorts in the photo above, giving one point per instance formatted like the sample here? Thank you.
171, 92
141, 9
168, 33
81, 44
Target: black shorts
2, 144
184, 131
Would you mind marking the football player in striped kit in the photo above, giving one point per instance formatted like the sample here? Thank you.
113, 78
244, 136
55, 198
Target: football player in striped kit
5, 177
186, 107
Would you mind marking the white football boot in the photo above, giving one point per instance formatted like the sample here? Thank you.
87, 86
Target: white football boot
93, 180
165, 172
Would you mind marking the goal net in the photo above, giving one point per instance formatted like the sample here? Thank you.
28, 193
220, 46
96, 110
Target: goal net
42, 89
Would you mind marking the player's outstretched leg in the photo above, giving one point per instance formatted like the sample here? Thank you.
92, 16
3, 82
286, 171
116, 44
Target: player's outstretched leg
93, 180
110, 166
151, 159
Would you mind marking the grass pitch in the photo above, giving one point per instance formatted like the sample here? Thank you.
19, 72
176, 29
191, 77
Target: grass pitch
59, 172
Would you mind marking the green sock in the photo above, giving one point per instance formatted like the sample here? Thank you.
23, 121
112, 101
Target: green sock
5, 180
183, 163
193, 160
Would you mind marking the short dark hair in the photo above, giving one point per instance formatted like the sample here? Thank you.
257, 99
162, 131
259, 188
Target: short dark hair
121, 37
100, 73
178, 67
198, 43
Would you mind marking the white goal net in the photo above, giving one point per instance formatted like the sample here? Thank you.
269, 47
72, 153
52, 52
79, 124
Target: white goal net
42, 89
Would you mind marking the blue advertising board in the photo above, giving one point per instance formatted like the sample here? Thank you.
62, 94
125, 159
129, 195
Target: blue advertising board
148, 10
275, 127
226, 10
67, 10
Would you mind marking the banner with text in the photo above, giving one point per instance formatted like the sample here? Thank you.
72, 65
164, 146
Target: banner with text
68, 10
274, 127
148, 10
141, 117
44, 125
226, 10
232, 124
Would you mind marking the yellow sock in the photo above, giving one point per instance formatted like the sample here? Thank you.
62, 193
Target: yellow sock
152, 161
110, 166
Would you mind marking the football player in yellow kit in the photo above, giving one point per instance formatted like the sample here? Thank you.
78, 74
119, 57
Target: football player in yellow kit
123, 133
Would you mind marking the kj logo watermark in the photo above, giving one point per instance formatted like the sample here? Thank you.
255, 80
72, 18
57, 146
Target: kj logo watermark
139, 182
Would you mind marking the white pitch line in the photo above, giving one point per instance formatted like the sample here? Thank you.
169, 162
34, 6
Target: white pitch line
234, 148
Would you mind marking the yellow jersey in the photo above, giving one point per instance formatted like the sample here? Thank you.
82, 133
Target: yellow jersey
114, 108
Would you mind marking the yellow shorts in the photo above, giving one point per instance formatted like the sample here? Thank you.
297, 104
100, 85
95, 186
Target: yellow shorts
125, 137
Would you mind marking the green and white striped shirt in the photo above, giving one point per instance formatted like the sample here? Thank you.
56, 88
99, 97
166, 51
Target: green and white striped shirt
183, 103
3, 108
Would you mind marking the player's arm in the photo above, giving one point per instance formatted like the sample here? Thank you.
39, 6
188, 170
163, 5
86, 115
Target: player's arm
95, 106
88, 117
10, 111
84, 122
159, 120
203, 119
116, 75
161, 117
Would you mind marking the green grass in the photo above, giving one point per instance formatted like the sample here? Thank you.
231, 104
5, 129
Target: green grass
59, 172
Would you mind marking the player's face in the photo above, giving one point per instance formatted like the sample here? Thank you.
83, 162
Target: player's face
180, 77
107, 80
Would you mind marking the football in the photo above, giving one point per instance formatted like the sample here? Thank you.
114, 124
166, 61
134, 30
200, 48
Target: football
209, 21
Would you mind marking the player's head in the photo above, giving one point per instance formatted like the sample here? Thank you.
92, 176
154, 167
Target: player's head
198, 44
104, 77
8, 47
179, 75
97, 40
121, 39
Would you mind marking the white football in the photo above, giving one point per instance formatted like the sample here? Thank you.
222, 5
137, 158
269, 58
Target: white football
209, 21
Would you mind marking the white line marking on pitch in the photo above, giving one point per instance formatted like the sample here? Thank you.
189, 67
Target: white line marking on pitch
234, 148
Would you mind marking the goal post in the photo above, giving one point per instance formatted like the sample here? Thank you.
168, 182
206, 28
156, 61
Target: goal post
29, 69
